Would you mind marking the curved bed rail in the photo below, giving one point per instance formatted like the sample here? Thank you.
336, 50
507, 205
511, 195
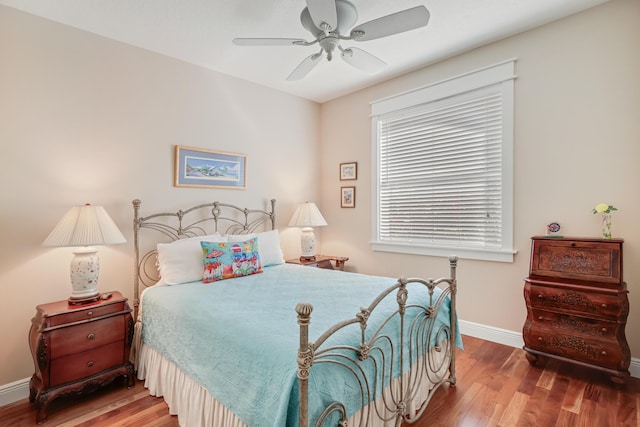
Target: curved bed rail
199, 220
406, 364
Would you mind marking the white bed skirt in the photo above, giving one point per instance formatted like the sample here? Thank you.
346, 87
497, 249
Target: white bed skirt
187, 399
196, 407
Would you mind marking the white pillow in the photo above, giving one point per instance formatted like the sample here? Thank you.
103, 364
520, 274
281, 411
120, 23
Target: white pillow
268, 246
182, 261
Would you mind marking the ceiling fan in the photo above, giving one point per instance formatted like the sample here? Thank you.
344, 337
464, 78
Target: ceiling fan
329, 21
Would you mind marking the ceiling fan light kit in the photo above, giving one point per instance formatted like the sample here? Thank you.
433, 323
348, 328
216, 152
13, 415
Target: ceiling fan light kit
329, 20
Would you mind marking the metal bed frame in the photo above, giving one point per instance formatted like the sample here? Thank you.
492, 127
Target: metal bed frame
400, 369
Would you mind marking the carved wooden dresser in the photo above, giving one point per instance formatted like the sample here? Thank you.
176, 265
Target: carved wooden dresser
76, 349
577, 304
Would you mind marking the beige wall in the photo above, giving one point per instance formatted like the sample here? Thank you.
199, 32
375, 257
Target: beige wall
577, 143
86, 119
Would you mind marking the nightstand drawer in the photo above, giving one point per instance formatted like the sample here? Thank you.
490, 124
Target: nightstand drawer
86, 314
76, 366
78, 338
575, 324
600, 352
593, 304
325, 263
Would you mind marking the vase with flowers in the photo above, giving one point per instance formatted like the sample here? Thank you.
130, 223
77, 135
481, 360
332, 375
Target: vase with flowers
605, 209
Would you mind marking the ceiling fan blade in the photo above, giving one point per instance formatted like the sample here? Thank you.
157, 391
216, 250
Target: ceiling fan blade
362, 60
395, 23
305, 67
267, 42
323, 12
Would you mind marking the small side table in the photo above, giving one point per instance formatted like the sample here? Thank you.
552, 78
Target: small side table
322, 261
77, 349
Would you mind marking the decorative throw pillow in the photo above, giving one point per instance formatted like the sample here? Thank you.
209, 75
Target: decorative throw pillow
224, 260
181, 261
269, 246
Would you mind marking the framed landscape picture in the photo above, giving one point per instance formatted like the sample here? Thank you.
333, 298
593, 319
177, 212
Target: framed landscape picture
198, 167
348, 197
348, 171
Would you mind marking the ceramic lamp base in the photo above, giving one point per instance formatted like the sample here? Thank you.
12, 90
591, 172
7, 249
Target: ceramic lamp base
308, 243
85, 269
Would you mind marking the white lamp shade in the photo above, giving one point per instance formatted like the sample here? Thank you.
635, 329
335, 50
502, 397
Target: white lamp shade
307, 215
86, 225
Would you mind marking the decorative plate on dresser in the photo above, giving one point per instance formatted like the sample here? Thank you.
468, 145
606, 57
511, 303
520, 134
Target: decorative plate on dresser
577, 304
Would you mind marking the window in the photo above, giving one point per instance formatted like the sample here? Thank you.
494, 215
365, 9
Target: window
444, 168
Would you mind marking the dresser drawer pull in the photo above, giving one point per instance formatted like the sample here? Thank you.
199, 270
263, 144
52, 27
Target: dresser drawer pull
540, 339
540, 296
89, 313
604, 306
91, 336
605, 331
604, 353
90, 363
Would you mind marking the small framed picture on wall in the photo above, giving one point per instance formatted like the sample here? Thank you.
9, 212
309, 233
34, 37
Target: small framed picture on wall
348, 197
348, 171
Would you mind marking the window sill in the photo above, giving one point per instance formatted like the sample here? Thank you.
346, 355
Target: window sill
503, 255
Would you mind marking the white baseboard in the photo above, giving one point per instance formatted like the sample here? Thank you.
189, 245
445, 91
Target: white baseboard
514, 339
19, 390
14, 391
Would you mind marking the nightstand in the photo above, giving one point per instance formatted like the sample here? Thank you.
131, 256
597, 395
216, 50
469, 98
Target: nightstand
77, 349
322, 261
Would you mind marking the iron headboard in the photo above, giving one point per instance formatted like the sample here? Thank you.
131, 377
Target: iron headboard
198, 220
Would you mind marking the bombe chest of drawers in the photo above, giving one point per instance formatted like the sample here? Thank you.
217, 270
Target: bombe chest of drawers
577, 304
76, 349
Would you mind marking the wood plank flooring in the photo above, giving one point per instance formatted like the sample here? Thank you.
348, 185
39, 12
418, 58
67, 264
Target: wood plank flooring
496, 387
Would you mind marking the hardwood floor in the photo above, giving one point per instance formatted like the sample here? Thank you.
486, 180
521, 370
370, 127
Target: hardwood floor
496, 387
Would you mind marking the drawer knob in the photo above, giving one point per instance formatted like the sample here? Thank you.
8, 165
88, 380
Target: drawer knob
604, 353
604, 305
604, 330
91, 336
540, 296
540, 339
90, 363
89, 313
540, 318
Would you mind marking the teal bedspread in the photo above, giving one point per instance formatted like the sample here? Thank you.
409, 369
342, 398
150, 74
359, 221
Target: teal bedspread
238, 338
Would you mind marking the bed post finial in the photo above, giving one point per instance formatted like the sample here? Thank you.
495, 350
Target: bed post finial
305, 360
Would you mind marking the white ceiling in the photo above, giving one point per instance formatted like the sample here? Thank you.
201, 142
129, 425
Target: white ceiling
200, 32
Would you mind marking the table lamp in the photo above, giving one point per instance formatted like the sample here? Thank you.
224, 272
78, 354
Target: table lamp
85, 226
307, 216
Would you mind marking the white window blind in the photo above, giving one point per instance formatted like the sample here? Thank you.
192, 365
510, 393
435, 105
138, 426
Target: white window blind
441, 175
